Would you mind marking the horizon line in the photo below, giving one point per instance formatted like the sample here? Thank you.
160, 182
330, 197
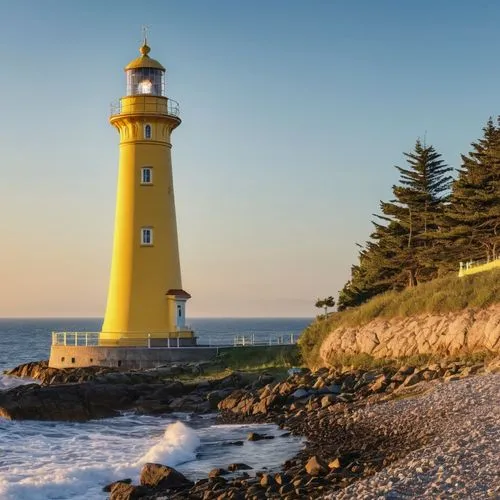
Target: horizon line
194, 317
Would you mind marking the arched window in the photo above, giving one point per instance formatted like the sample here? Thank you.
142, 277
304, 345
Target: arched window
147, 131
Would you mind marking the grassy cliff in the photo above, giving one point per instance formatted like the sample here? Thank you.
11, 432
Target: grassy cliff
440, 296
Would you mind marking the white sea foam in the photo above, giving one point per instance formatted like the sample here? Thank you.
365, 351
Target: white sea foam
10, 382
178, 445
93, 458
63, 460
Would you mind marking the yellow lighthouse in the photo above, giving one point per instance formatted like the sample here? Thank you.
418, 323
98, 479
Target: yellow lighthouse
146, 302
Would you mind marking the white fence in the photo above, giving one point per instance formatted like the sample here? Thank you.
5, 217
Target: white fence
89, 339
249, 340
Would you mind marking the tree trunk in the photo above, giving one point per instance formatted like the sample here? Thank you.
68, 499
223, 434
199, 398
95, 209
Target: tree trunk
412, 278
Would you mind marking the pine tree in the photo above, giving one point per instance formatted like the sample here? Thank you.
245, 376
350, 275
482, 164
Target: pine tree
473, 215
402, 250
417, 209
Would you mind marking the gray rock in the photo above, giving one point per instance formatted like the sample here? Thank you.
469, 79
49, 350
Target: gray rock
238, 466
162, 476
334, 388
300, 393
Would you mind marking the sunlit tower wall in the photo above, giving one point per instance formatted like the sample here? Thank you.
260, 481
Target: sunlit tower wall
146, 302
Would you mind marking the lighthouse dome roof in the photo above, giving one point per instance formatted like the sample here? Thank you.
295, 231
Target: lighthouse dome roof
144, 61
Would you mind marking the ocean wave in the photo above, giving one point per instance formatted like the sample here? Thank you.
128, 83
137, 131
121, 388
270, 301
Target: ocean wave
47, 481
74, 460
178, 445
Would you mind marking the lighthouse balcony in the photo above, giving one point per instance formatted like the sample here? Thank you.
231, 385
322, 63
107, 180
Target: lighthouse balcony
145, 105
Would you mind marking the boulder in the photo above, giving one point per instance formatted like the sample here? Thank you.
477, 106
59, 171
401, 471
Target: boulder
334, 388
217, 472
232, 401
124, 491
281, 478
266, 403
429, 375
316, 466
335, 464
319, 384
413, 379
300, 393
63, 402
380, 383
109, 487
328, 400
267, 480
406, 370
163, 477
348, 383
255, 436
285, 489
215, 397
238, 466
190, 403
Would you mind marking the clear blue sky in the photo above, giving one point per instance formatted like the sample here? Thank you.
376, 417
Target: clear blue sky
294, 115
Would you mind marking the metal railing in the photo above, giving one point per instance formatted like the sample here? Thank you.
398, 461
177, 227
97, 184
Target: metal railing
146, 105
249, 340
93, 339
170, 340
75, 338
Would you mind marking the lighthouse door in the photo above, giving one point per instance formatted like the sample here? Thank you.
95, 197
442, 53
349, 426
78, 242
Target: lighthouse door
180, 318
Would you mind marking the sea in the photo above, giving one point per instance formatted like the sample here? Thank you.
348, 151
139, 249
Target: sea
68, 460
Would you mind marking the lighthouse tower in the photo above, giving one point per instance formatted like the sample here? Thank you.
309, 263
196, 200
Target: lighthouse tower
146, 302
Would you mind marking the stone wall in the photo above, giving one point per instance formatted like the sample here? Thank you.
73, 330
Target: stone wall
465, 331
125, 357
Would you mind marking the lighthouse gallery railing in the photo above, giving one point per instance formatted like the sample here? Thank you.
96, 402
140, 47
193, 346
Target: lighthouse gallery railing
165, 106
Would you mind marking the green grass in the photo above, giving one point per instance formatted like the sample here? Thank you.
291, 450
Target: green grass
439, 296
260, 357
252, 361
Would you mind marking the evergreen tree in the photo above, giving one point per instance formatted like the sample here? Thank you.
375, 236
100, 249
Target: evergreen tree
473, 215
402, 250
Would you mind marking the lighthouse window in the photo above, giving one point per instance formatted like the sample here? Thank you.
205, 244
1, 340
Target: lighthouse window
146, 175
147, 131
179, 311
146, 236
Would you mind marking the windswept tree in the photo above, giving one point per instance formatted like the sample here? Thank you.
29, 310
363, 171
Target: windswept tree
473, 215
325, 304
403, 247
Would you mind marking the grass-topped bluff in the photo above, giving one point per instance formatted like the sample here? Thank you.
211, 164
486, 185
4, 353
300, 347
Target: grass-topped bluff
440, 217
437, 297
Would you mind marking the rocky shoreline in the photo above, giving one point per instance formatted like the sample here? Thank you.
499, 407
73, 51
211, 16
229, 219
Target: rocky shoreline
82, 394
331, 408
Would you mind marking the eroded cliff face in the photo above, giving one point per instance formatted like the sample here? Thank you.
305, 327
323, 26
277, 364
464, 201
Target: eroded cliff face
464, 331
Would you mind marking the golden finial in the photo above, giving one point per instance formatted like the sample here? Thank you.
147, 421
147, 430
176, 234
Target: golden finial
145, 49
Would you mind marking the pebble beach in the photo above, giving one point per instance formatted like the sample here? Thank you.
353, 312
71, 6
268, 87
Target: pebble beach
462, 456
